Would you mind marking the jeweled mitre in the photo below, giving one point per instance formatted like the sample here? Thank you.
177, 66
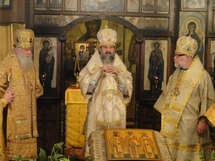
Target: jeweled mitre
107, 36
23, 38
186, 45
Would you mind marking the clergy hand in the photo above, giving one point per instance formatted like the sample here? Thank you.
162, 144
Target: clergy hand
9, 96
110, 69
201, 127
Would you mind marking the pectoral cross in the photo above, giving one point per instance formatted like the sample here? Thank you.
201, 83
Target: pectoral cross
175, 92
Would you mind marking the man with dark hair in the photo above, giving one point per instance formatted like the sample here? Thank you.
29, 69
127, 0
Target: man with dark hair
107, 85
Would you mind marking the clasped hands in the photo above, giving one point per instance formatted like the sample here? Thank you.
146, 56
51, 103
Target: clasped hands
109, 69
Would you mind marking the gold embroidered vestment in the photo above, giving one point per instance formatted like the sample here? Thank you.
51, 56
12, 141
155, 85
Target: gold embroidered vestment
21, 130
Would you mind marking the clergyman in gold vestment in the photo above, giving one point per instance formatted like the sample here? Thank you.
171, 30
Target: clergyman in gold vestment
183, 104
107, 85
19, 75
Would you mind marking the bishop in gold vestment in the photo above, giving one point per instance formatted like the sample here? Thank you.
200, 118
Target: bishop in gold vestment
183, 103
19, 75
107, 85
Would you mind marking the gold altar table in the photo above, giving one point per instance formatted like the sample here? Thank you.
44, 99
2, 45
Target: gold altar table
76, 111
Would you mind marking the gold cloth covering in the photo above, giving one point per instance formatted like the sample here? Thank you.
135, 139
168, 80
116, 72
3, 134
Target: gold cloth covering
76, 111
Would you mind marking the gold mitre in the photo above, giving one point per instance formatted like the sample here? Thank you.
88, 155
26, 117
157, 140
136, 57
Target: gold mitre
107, 36
186, 45
23, 38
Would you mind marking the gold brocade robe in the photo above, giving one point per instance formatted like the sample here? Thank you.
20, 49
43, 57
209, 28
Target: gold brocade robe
21, 132
106, 105
187, 97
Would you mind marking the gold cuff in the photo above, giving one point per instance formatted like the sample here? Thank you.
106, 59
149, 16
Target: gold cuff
204, 120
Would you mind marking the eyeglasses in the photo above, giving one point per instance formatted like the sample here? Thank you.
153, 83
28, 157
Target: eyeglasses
179, 55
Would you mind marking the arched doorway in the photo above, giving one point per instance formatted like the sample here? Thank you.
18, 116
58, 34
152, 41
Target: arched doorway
84, 31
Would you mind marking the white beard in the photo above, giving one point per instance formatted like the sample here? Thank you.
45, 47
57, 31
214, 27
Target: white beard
181, 65
25, 62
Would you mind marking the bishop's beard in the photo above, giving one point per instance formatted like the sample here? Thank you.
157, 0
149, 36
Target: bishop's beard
107, 59
25, 62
